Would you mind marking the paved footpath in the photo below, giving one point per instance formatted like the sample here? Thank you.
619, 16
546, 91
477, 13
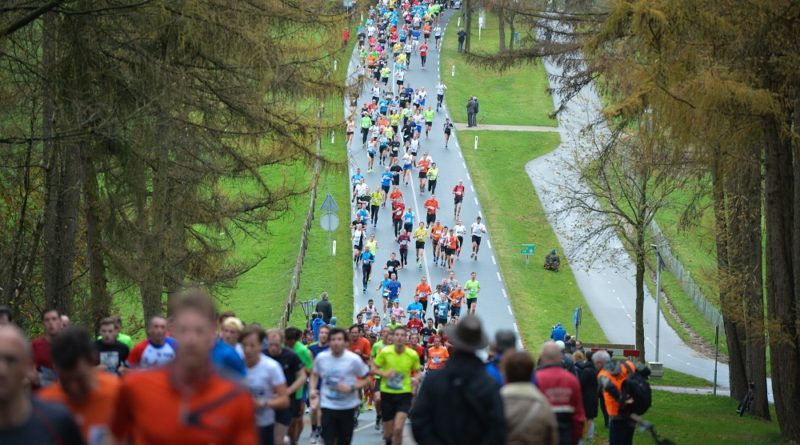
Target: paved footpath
494, 306
524, 128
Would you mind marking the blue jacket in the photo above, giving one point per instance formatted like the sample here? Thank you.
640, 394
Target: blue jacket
558, 333
227, 360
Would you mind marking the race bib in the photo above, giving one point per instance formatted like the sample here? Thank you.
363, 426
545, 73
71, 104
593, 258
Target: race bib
395, 382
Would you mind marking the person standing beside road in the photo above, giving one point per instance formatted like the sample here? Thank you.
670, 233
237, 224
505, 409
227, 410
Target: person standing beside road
587, 375
463, 391
340, 374
530, 419
472, 287
462, 35
324, 307
397, 366
610, 375
563, 391
26, 419
477, 230
475, 114
470, 112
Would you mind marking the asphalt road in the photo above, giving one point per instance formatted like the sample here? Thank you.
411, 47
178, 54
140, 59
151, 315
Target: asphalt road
494, 307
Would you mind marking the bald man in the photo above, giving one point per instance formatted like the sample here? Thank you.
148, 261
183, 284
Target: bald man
563, 391
24, 419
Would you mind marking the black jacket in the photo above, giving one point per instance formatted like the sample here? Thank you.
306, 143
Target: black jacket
468, 398
326, 308
587, 374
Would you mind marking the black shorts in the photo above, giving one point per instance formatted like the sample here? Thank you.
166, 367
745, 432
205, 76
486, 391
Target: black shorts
422, 175
399, 82
349, 133
385, 188
460, 241
430, 218
457, 199
371, 154
429, 124
391, 404
284, 416
476, 240
420, 244
437, 37
448, 251
471, 301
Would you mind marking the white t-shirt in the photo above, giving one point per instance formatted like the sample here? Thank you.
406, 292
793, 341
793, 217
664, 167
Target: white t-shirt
460, 230
346, 368
478, 229
361, 189
261, 380
440, 89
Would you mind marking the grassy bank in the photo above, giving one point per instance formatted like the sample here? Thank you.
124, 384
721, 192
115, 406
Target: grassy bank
514, 216
514, 97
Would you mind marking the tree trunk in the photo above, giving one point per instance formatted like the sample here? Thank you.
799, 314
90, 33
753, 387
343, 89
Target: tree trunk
100, 299
640, 270
513, 31
732, 314
501, 20
467, 23
745, 271
780, 206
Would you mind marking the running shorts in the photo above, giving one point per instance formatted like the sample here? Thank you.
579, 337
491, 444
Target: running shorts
391, 404
420, 244
422, 175
476, 239
458, 198
385, 188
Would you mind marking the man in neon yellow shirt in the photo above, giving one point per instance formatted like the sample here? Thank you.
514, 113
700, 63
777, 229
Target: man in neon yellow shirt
428, 115
397, 365
419, 236
472, 287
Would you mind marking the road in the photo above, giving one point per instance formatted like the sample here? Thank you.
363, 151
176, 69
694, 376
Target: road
608, 283
494, 307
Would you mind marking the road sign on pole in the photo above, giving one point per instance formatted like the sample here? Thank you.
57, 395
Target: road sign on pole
527, 250
329, 204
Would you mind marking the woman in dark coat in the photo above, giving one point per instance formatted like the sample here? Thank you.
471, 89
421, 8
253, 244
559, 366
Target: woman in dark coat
587, 375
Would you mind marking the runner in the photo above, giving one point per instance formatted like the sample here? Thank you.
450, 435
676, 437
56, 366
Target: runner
398, 209
431, 204
372, 150
157, 350
295, 374
448, 129
358, 243
428, 331
393, 264
366, 122
367, 258
437, 35
437, 355
266, 383
394, 287
376, 198
386, 183
478, 230
423, 165
433, 176
408, 163
440, 89
408, 220
423, 53
422, 291
340, 374
316, 348
397, 366
419, 237
174, 404
458, 198
436, 232
452, 247
428, 115
472, 287
404, 239
351, 128
456, 298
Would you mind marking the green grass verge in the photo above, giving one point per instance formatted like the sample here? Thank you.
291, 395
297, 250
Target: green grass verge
516, 96
677, 378
701, 420
514, 216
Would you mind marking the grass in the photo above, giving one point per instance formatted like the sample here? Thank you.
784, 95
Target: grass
514, 216
677, 378
516, 96
702, 420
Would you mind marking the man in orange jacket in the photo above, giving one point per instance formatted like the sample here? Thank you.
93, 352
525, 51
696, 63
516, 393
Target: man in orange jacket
611, 374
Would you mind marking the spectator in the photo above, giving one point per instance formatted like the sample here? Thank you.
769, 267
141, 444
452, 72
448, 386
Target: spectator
42, 357
325, 308
464, 391
558, 333
89, 393
563, 391
471, 112
316, 323
529, 418
610, 375
504, 340
566, 358
462, 35
26, 419
587, 376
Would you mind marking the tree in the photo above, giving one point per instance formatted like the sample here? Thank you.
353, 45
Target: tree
626, 179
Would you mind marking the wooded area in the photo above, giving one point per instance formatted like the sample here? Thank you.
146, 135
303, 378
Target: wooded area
135, 136
722, 77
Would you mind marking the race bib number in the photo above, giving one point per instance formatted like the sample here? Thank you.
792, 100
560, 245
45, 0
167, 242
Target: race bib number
395, 382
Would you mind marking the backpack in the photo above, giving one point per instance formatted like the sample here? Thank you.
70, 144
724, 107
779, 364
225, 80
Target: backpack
636, 387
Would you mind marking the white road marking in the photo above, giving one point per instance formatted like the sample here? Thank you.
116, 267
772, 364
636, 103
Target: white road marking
460, 155
472, 188
476, 200
464, 164
488, 244
516, 329
499, 278
505, 295
509, 310
493, 260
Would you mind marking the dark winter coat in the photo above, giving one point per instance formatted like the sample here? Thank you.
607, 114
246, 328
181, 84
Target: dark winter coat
468, 397
587, 375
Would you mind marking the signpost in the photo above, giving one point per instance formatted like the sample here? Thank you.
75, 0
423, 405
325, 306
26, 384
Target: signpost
476, 142
527, 250
716, 356
329, 220
308, 307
